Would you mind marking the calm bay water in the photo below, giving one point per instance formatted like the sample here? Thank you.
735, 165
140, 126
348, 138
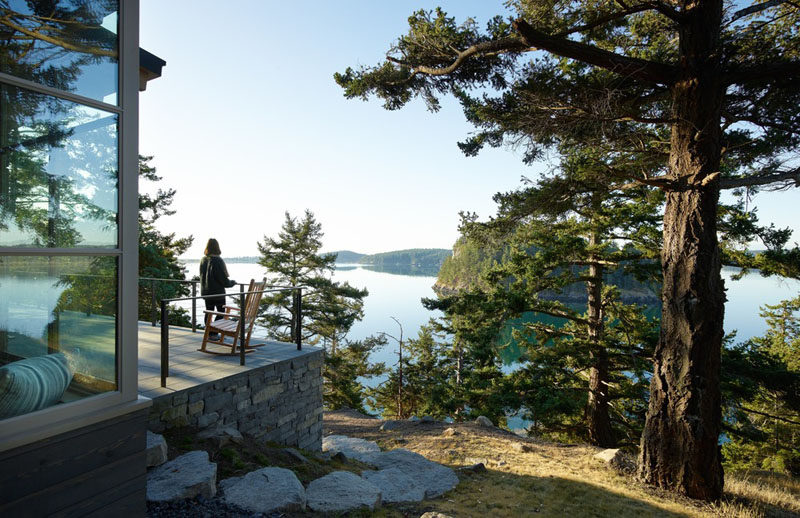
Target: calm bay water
393, 295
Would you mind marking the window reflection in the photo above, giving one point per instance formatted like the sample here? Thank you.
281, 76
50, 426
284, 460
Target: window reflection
58, 172
69, 45
62, 309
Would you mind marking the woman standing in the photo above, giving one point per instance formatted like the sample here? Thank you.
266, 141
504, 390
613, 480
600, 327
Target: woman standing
214, 279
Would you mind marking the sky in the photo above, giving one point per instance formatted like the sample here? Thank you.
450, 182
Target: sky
246, 123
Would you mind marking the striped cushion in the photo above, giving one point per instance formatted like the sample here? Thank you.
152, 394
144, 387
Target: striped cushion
33, 383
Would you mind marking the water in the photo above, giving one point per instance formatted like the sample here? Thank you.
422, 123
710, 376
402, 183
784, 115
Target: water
393, 295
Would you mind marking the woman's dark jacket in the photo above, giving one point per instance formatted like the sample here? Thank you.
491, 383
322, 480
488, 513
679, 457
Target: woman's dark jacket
213, 275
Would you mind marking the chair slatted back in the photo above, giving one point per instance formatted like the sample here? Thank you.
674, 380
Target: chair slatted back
252, 301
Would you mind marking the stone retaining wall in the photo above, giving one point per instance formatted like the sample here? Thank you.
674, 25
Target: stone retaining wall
281, 402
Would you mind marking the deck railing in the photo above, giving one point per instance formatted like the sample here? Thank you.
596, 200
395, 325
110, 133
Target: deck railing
164, 307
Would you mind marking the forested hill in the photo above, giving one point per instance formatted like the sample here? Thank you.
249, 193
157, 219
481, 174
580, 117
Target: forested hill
413, 261
463, 269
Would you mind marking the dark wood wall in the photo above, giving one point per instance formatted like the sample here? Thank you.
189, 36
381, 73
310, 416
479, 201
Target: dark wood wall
98, 470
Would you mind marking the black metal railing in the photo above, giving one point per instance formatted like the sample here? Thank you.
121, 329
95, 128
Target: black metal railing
296, 327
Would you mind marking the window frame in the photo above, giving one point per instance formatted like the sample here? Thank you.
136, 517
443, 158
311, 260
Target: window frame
23, 429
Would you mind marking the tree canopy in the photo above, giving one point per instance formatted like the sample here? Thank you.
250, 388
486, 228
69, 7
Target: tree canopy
694, 96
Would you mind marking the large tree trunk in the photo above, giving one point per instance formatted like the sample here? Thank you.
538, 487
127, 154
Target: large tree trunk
679, 449
597, 421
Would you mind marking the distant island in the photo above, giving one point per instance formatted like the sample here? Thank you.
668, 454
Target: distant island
412, 261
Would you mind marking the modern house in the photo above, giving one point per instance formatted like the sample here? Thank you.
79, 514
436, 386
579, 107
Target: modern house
72, 424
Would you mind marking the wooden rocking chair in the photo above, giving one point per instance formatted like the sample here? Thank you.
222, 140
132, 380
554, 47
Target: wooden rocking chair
232, 319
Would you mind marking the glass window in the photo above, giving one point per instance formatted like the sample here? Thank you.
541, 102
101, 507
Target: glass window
58, 172
58, 327
70, 45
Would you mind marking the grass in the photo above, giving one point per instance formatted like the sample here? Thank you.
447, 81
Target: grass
542, 479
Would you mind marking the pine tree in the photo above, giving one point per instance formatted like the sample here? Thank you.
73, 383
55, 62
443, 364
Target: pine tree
329, 309
761, 389
704, 93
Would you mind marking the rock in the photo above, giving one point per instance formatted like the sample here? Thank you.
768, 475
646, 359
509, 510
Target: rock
474, 468
434, 514
476, 460
427, 419
206, 420
484, 421
390, 425
450, 432
615, 458
352, 447
265, 490
342, 491
184, 477
221, 436
395, 485
521, 447
339, 457
435, 478
156, 449
414, 419
296, 455
401, 440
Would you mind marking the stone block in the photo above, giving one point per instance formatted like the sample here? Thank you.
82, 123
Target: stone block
266, 393
180, 398
171, 414
196, 396
286, 419
207, 420
196, 407
218, 401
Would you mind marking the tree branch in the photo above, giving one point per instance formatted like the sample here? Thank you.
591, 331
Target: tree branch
639, 69
610, 17
763, 73
487, 47
771, 416
755, 9
785, 176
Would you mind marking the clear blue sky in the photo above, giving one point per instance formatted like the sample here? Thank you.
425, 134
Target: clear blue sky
246, 123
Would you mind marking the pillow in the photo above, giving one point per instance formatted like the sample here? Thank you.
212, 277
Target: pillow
33, 383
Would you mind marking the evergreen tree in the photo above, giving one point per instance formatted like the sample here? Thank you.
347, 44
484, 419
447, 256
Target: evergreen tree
159, 252
761, 390
702, 92
345, 368
329, 309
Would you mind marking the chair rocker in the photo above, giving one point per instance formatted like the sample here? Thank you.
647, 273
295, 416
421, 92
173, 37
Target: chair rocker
231, 322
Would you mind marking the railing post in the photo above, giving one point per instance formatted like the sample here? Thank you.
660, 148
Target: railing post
153, 317
164, 343
194, 307
298, 318
241, 326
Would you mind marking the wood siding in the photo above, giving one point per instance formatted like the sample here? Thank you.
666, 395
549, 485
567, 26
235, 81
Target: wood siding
98, 470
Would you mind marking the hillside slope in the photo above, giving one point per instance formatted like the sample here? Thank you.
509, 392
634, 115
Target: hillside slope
531, 477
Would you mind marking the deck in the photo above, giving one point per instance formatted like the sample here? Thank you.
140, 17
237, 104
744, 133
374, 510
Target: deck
188, 367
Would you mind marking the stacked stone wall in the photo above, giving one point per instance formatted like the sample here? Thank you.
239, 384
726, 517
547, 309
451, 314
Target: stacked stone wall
281, 402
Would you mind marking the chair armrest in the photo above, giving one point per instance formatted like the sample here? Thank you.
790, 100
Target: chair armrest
208, 312
231, 307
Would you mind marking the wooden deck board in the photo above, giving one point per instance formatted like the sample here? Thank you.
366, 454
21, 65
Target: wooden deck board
188, 367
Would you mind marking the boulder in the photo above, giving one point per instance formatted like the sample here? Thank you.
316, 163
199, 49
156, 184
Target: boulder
484, 421
342, 491
265, 490
521, 447
427, 419
450, 432
615, 458
396, 486
473, 468
184, 477
434, 514
221, 436
352, 447
156, 449
390, 425
435, 478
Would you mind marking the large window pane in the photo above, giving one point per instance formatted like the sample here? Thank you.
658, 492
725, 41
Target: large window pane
69, 44
58, 172
56, 313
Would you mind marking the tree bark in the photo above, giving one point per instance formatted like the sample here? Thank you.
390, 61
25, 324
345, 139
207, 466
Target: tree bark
679, 448
598, 422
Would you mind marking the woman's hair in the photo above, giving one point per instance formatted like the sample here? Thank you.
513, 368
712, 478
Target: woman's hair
212, 248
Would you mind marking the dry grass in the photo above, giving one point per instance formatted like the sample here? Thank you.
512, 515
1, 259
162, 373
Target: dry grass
553, 479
